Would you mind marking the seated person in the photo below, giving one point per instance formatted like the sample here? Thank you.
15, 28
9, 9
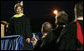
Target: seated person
46, 27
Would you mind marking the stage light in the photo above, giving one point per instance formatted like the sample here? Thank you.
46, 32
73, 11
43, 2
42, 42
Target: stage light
55, 12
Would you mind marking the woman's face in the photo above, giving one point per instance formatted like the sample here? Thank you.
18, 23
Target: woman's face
18, 10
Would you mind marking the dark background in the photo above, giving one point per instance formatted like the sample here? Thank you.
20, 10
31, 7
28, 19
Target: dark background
38, 11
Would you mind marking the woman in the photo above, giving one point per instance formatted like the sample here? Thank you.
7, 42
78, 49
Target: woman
20, 25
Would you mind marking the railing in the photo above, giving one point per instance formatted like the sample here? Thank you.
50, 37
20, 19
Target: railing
13, 42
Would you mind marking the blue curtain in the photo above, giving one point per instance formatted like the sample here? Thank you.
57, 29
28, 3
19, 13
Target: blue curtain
13, 42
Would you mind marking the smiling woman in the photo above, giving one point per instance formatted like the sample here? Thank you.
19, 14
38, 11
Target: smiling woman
20, 25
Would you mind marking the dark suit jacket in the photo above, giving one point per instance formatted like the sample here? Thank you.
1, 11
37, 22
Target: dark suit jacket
67, 38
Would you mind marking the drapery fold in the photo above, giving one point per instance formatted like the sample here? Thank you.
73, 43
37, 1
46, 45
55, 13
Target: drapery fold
14, 42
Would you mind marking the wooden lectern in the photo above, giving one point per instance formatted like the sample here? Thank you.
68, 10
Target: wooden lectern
3, 27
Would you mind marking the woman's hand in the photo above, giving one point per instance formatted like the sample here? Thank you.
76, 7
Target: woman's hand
34, 41
28, 40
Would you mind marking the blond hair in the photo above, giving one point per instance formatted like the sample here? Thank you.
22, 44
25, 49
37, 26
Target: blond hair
18, 5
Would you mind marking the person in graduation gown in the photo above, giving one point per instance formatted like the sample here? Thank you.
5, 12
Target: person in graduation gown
46, 27
50, 42
68, 38
20, 25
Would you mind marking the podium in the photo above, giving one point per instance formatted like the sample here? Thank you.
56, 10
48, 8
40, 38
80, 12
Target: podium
13, 42
2, 29
4, 26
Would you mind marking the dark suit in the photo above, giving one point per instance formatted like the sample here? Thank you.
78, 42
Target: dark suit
68, 40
